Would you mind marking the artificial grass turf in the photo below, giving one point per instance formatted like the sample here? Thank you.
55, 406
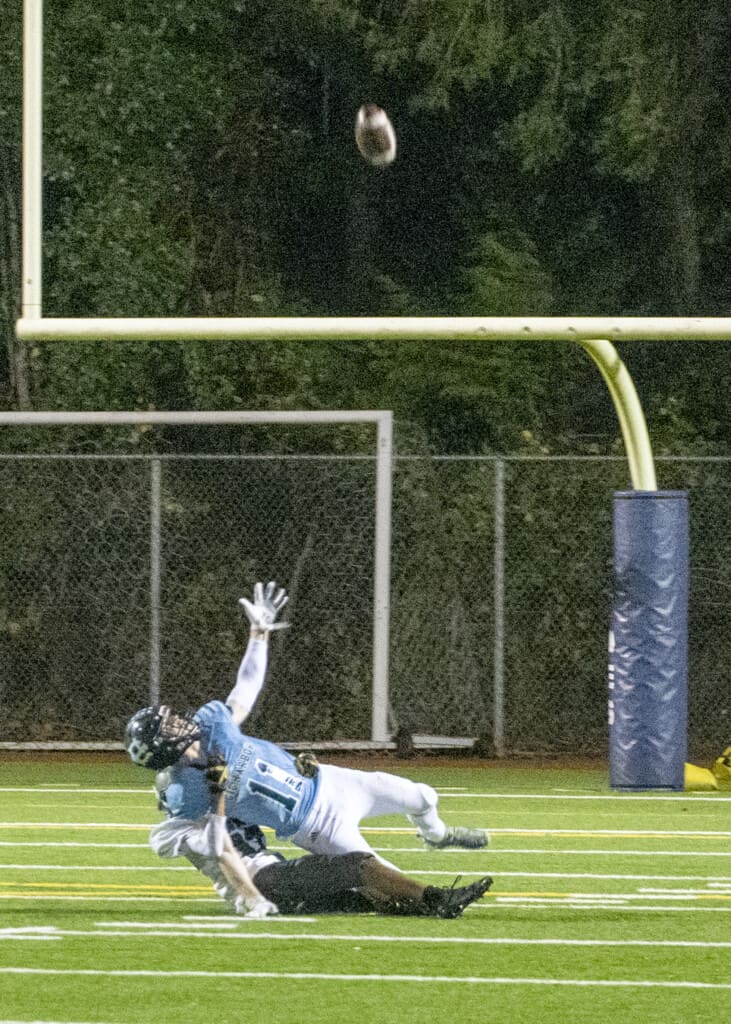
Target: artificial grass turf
575, 866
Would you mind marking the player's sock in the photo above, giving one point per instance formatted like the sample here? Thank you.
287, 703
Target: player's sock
428, 823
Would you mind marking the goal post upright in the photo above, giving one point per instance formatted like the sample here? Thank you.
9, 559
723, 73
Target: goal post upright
32, 184
629, 412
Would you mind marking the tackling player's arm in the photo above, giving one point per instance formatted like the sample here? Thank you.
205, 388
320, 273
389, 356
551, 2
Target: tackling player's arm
206, 844
230, 862
262, 613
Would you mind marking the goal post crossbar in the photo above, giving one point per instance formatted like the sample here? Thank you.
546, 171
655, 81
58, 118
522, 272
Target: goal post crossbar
365, 328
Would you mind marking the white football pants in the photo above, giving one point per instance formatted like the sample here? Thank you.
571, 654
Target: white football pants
346, 796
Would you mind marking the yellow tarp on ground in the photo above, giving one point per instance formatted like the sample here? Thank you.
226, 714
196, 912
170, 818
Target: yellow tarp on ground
716, 777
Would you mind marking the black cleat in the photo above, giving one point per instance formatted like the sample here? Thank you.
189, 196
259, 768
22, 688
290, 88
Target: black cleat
451, 902
467, 838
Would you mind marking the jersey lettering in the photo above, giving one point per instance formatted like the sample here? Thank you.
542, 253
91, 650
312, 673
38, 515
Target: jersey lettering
279, 775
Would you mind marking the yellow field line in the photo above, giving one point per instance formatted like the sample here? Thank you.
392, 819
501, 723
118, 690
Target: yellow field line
611, 895
107, 886
100, 888
31, 825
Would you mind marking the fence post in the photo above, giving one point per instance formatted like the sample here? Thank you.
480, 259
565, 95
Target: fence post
155, 570
382, 578
498, 714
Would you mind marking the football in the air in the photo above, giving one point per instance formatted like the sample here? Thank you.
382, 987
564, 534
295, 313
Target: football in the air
374, 135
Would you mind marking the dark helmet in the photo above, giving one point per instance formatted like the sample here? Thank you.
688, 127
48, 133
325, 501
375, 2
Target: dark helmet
156, 737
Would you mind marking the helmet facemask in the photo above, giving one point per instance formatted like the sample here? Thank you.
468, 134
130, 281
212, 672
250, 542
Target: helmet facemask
157, 737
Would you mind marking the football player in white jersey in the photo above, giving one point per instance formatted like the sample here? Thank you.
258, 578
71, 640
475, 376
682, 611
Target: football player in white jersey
318, 807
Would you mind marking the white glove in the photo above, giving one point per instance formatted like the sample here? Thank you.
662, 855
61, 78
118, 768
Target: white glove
260, 908
267, 604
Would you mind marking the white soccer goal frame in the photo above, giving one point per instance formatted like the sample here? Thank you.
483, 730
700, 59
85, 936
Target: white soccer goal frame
383, 422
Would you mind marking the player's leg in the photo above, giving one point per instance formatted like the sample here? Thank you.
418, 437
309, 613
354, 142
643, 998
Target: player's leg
394, 893
346, 796
392, 794
316, 884
331, 827
357, 883
371, 794
388, 889
356, 795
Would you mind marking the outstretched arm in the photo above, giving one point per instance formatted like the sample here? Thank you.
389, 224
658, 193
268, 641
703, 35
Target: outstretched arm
261, 613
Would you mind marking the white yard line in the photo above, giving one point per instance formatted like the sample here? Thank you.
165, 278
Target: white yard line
631, 797
579, 874
453, 793
130, 929
575, 832
27, 825
528, 901
102, 898
493, 851
201, 921
378, 978
604, 877
146, 791
607, 853
643, 894
404, 830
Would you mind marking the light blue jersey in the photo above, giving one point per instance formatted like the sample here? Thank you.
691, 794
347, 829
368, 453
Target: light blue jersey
263, 788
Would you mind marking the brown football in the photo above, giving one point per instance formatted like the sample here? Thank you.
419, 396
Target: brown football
374, 135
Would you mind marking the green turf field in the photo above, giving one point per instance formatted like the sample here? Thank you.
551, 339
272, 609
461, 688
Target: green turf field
605, 907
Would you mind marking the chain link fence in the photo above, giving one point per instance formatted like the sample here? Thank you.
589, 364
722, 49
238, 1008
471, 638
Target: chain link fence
501, 590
